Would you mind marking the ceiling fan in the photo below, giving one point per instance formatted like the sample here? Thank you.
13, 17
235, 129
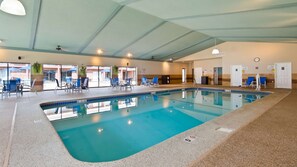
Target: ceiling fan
61, 49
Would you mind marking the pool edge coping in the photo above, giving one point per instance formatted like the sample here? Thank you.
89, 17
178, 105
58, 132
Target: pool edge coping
157, 145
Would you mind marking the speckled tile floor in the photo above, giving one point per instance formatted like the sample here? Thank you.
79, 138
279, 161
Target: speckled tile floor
36, 143
271, 140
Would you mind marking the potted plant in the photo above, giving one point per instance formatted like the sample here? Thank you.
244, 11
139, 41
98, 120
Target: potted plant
37, 75
83, 74
36, 68
83, 71
115, 70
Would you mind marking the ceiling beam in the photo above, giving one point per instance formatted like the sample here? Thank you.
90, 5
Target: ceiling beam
100, 28
188, 47
287, 5
262, 37
127, 2
35, 23
167, 43
244, 28
137, 39
261, 40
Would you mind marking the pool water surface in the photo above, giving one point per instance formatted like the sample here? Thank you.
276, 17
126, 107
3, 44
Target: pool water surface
100, 130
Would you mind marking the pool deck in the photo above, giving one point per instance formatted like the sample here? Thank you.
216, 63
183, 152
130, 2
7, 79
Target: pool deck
34, 142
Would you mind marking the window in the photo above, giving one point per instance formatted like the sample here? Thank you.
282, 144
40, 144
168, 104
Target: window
99, 76
69, 72
92, 74
50, 73
104, 76
128, 72
15, 70
3, 72
60, 72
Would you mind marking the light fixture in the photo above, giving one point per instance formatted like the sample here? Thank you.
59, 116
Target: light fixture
215, 51
129, 54
99, 51
1, 41
170, 59
14, 7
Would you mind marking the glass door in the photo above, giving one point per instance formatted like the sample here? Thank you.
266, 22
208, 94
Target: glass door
128, 72
20, 71
69, 72
92, 74
3, 72
63, 73
50, 73
104, 76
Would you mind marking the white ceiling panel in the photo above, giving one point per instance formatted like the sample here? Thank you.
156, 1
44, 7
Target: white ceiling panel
261, 39
168, 9
146, 28
177, 45
127, 26
70, 23
15, 31
196, 47
258, 33
159, 36
267, 18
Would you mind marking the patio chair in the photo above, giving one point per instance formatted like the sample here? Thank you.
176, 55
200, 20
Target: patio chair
30, 87
250, 82
127, 84
58, 86
18, 80
4, 89
144, 81
155, 81
9, 87
263, 81
85, 84
68, 82
114, 82
77, 86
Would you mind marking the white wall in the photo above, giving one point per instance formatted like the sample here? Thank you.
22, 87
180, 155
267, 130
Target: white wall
149, 67
243, 53
269, 53
208, 65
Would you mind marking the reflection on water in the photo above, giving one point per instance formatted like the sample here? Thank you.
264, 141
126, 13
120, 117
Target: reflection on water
202, 101
110, 129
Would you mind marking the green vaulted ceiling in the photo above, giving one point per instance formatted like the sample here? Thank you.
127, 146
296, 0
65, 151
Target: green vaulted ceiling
149, 29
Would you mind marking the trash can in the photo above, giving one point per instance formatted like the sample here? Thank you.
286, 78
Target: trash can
204, 80
165, 79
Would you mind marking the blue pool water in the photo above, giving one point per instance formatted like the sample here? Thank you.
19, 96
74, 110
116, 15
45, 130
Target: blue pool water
98, 130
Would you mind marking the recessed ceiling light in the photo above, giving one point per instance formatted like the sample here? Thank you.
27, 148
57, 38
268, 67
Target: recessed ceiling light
170, 59
129, 54
99, 51
1, 41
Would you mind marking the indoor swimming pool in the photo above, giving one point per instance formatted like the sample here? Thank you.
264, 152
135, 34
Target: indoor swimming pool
108, 129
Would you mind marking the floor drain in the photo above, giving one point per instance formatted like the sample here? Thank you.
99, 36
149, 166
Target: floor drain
189, 139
